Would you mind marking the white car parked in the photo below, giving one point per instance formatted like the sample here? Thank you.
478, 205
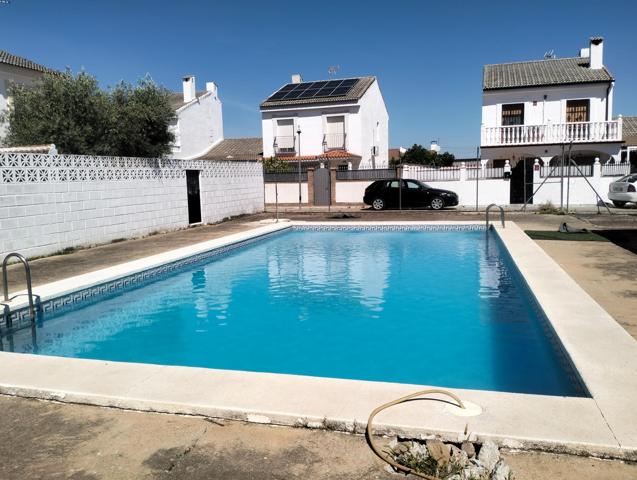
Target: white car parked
623, 190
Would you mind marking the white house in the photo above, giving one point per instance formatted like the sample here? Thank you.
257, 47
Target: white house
198, 122
341, 123
531, 109
19, 70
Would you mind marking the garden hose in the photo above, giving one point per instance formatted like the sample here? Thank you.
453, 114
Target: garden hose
377, 410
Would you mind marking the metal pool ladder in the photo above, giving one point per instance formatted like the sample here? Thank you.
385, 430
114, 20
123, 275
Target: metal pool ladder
501, 214
27, 270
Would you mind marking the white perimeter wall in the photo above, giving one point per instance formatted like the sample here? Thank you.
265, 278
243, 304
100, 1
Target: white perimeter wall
52, 202
287, 192
580, 192
489, 190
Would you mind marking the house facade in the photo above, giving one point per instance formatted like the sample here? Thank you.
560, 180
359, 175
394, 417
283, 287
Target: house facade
538, 109
198, 122
341, 123
18, 70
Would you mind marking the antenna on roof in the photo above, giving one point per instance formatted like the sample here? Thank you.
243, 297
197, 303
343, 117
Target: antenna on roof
331, 71
549, 54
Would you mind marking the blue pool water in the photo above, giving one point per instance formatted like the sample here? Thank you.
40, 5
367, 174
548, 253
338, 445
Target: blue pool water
445, 308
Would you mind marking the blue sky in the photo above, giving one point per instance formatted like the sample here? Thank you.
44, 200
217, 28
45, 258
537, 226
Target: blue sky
428, 56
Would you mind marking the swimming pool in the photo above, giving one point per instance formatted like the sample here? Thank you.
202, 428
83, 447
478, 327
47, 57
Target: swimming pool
434, 306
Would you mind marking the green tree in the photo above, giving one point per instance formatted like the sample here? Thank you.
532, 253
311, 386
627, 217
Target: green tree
138, 120
276, 165
419, 155
72, 112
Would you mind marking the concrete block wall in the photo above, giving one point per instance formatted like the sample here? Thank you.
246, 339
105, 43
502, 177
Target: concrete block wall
230, 189
52, 202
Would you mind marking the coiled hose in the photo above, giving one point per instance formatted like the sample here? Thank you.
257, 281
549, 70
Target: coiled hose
377, 410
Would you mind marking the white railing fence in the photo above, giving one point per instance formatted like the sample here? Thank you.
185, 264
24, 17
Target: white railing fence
615, 169
577, 132
566, 171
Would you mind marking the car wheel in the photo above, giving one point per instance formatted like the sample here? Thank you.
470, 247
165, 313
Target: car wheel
437, 203
378, 204
618, 204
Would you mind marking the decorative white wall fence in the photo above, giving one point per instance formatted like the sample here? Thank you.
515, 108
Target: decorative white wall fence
52, 202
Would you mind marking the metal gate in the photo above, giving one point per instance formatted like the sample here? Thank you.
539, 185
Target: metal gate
321, 186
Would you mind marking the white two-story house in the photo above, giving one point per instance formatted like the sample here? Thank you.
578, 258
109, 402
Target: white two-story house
339, 123
198, 122
531, 110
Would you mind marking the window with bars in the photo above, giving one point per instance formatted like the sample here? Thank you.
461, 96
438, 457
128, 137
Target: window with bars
577, 110
513, 114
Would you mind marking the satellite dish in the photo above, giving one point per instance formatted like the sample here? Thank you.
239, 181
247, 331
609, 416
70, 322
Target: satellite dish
333, 69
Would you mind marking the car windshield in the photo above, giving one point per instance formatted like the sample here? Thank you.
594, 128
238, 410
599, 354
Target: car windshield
632, 178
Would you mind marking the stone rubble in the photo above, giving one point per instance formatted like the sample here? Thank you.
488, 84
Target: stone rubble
450, 461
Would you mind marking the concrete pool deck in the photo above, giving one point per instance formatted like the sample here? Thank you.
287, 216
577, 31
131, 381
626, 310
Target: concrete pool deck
602, 351
58, 440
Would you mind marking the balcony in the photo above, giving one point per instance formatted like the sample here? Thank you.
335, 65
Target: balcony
285, 145
333, 141
576, 132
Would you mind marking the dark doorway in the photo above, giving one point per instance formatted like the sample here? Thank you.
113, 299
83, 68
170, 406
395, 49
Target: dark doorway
194, 202
522, 181
321, 186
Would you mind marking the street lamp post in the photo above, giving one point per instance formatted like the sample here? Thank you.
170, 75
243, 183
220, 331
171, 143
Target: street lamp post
298, 132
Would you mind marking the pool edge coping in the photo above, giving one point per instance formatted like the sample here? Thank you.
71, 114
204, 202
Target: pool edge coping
519, 246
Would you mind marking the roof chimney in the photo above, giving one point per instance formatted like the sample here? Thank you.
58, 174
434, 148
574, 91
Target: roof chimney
596, 47
297, 78
189, 88
211, 87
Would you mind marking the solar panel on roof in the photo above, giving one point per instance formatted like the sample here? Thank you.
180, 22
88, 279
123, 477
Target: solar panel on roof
307, 90
278, 95
309, 93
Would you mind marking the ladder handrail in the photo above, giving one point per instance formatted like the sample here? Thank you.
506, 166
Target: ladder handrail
501, 214
27, 269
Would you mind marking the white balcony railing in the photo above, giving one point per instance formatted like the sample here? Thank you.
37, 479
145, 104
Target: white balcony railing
284, 145
577, 132
333, 141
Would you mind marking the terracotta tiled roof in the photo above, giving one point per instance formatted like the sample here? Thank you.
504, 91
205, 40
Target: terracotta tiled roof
556, 71
236, 149
329, 155
357, 91
10, 59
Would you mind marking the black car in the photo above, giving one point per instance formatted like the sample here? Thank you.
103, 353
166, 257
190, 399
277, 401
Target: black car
388, 194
